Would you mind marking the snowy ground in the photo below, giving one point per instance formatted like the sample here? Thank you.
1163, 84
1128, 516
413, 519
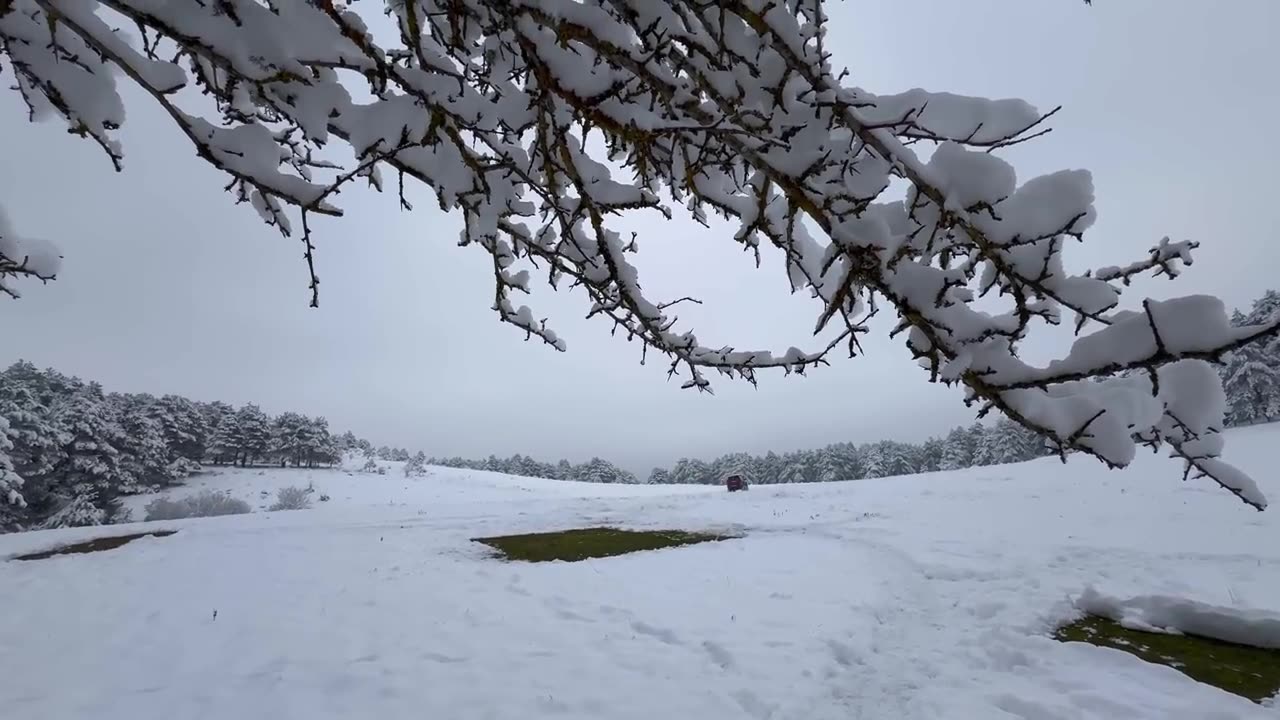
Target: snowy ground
924, 597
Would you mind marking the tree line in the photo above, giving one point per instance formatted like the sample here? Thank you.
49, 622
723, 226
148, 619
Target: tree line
1004, 442
594, 470
69, 451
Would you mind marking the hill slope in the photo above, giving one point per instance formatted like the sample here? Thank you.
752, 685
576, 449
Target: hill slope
918, 597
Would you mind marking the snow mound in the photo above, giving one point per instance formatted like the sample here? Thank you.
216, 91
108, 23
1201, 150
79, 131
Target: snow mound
1159, 613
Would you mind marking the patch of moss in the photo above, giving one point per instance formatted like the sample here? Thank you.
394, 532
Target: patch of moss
1247, 671
585, 543
110, 542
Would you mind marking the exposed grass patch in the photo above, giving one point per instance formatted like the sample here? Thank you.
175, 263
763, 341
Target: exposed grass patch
1247, 671
95, 545
585, 543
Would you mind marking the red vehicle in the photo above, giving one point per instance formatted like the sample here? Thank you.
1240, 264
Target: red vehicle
735, 483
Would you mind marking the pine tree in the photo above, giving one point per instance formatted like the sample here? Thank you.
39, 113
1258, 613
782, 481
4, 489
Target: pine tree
1252, 386
769, 468
1251, 374
958, 450
874, 463
691, 471
220, 430
659, 476
252, 434
85, 484
794, 468
1264, 308
985, 445
35, 438
416, 466
597, 470
931, 454
184, 426
11, 500
833, 465
144, 453
564, 470
896, 458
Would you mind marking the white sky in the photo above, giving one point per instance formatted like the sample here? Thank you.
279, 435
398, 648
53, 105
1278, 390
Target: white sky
168, 287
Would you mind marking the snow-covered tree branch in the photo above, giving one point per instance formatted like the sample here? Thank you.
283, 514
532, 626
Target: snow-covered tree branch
540, 122
24, 257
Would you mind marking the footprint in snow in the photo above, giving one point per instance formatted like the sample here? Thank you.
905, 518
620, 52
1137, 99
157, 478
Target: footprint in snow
843, 654
754, 706
662, 634
442, 659
719, 655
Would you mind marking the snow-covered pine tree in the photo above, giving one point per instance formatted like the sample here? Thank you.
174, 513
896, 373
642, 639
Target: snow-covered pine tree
251, 434
85, 484
985, 445
346, 442
289, 439
958, 450
833, 465
11, 500
145, 456
730, 107
931, 454
691, 471
874, 464
1252, 386
770, 467
417, 465
1251, 374
319, 448
564, 470
659, 476
1265, 309
184, 426
897, 458
36, 439
1012, 443
219, 420
594, 470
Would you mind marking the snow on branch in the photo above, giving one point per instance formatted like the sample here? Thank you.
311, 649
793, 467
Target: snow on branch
24, 257
541, 122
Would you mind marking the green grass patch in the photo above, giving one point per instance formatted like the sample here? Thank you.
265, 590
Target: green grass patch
110, 542
1247, 671
585, 543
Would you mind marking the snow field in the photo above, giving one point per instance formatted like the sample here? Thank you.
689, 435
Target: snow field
929, 596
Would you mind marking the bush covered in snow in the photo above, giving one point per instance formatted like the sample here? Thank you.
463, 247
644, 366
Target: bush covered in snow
292, 498
206, 503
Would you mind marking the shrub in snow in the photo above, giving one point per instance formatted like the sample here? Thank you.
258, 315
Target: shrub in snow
206, 503
416, 466
80, 510
292, 498
726, 108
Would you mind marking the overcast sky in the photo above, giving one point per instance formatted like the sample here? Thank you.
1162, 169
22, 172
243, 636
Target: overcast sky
169, 288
